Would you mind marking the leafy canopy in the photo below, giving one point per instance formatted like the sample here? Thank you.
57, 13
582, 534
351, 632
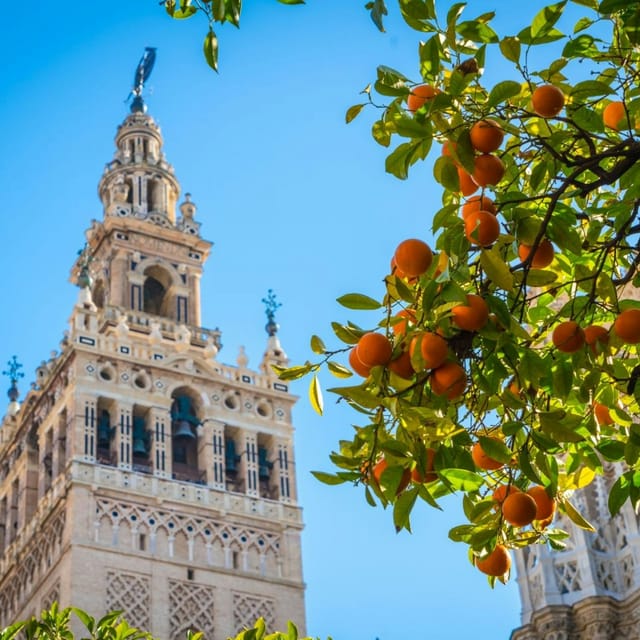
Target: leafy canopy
545, 384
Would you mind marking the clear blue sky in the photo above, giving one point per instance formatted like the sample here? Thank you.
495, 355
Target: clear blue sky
292, 198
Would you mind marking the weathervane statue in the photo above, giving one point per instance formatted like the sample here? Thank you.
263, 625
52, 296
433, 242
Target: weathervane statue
143, 71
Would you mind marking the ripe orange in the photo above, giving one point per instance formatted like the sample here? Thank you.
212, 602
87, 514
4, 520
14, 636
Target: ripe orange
408, 320
545, 505
602, 414
471, 316
481, 228
547, 101
486, 136
478, 203
614, 116
413, 257
374, 349
433, 349
430, 475
467, 185
356, 364
542, 257
488, 170
497, 563
449, 380
568, 336
379, 468
401, 365
482, 460
597, 338
419, 95
519, 509
627, 326
503, 491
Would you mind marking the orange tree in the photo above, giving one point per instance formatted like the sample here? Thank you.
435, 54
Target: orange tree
503, 364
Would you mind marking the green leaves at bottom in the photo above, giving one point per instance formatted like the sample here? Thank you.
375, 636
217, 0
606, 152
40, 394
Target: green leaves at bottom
210, 49
315, 395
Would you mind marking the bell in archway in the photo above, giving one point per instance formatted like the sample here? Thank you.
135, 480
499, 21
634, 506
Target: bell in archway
140, 437
183, 430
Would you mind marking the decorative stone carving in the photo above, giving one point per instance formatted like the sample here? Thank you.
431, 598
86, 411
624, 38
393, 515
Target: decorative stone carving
191, 606
131, 594
248, 608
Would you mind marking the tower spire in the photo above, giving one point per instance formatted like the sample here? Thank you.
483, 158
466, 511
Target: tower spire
274, 353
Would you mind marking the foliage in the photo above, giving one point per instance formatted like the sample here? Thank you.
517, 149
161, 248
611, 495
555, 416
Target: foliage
568, 179
55, 624
546, 408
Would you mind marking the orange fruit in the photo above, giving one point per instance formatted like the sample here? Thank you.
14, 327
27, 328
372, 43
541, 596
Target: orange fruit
601, 412
519, 509
545, 505
547, 100
497, 563
413, 257
503, 491
433, 349
374, 349
478, 203
486, 136
597, 338
481, 228
356, 364
418, 477
482, 460
614, 116
488, 170
401, 365
471, 316
627, 326
542, 257
568, 336
419, 95
467, 185
408, 320
449, 380
380, 467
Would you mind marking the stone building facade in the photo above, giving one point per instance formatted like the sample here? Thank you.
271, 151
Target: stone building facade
139, 473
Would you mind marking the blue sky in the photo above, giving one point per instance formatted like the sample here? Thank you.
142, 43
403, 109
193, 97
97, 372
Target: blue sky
293, 200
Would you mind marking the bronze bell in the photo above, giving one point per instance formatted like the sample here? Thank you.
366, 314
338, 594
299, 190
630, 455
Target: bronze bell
183, 430
139, 447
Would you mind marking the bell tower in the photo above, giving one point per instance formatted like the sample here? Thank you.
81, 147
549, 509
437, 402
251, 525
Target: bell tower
140, 473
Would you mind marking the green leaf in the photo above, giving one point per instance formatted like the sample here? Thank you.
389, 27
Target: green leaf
358, 395
612, 6
477, 32
510, 48
327, 478
619, 494
496, 449
496, 268
377, 9
315, 395
294, 373
292, 631
545, 19
461, 479
317, 346
291, 1
575, 516
347, 335
353, 111
210, 49
338, 370
402, 509
358, 301
590, 88
502, 91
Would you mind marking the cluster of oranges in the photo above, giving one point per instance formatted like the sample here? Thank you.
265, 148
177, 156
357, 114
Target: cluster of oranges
412, 348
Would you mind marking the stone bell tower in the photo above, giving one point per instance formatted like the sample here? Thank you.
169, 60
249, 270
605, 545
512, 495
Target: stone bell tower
140, 473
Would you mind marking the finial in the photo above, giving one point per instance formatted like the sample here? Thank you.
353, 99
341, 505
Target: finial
143, 71
14, 374
84, 280
271, 307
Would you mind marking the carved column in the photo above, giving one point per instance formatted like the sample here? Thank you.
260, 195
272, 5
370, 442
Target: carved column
160, 442
251, 463
123, 436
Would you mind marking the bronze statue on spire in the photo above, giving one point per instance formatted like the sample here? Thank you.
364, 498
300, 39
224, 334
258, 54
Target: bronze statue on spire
143, 71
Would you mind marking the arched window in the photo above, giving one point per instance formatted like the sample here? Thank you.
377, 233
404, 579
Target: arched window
156, 298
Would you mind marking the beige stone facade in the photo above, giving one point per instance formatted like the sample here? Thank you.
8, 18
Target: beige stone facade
140, 473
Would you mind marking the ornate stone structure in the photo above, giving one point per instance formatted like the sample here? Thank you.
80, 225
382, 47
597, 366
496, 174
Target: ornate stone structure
140, 473
590, 590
